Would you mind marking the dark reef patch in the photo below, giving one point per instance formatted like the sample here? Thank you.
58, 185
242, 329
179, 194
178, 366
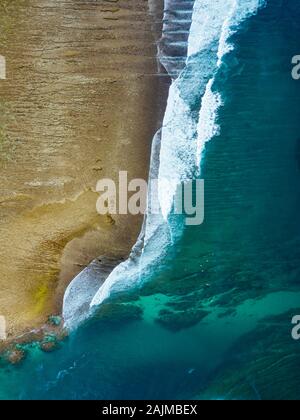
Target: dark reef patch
176, 321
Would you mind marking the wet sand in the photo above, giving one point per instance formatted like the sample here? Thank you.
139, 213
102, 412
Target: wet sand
79, 104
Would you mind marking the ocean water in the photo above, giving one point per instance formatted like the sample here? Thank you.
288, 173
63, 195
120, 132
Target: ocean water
211, 318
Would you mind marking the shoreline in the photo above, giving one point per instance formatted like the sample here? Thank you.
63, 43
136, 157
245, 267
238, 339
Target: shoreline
50, 220
172, 53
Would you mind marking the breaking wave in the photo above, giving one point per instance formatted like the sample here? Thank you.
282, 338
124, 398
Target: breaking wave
196, 37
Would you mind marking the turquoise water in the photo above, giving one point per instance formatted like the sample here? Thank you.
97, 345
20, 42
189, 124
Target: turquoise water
216, 315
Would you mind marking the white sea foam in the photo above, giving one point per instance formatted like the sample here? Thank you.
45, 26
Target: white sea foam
190, 122
230, 14
207, 126
178, 148
183, 136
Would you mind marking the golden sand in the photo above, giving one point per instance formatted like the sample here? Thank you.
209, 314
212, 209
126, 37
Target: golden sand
79, 104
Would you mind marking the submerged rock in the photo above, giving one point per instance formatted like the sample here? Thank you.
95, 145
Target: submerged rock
15, 356
48, 346
117, 313
55, 320
176, 321
49, 343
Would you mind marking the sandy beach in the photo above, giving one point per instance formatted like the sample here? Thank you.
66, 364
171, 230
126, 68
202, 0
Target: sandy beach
79, 104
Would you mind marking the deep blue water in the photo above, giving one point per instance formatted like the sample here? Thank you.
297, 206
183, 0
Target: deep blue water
241, 265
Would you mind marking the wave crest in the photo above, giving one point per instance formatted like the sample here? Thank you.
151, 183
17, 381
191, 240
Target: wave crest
203, 39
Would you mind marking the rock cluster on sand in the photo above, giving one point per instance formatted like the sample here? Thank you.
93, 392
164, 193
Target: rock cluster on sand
49, 346
15, 356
